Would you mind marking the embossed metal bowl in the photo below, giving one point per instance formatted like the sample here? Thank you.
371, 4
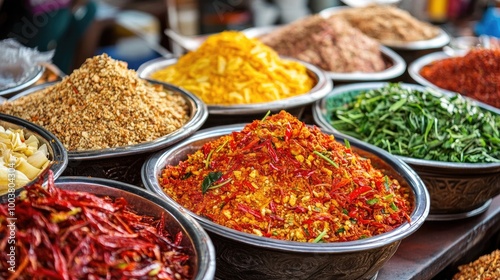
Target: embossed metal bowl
247, 256
56, 150
196, 241
396, 64
124, 163
457, 190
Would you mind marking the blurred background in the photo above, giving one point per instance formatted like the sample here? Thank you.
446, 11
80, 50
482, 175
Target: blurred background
133, 31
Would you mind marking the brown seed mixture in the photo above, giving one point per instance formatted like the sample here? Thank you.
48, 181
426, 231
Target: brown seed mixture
331, 44
102, 104
487, 267
388, 24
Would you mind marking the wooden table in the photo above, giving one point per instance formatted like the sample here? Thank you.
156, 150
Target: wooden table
442, 245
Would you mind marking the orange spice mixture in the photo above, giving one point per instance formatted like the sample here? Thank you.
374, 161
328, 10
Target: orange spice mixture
281, 179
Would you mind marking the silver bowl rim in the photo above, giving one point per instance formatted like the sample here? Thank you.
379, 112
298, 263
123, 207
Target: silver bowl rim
199, 115
206, 254
419, 63
439, 41
321, 88
153, 166
397, 68
319, 112
34, 75
59, 153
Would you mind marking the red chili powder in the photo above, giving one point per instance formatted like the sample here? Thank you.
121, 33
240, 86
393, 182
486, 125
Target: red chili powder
476, 75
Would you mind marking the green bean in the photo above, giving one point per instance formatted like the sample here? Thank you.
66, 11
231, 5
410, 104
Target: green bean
420, 124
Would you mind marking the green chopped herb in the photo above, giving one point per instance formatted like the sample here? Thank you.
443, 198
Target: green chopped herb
320, 236
208, 181
419, 124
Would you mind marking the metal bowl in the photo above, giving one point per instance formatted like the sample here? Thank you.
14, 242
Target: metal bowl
196, 241
457, 190
247, 256
320, 89
57, 152
124, 163
437, 42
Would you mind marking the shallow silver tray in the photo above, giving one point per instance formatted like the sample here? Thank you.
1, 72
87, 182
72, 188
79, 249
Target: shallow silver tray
321, 88
437, 42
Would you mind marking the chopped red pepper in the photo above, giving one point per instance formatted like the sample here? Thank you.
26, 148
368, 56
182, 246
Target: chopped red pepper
70, 235
280, 189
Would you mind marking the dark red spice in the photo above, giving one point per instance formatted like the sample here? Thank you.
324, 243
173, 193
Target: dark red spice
476, 75
67, 235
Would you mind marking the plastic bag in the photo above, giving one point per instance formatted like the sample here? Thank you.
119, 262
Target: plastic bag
19, 63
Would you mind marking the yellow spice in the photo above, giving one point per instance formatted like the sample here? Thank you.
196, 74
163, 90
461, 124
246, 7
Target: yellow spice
230, 68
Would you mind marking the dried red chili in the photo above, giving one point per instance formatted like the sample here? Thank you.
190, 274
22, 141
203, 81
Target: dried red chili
476, 75
289, 181
70, 235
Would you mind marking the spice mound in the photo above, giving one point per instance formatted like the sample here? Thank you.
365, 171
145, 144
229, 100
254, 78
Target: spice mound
61, 234
419, 124
282, 179
229, 69
476, 75
21, 159
331, 44
388, 24
102, 105
486, 267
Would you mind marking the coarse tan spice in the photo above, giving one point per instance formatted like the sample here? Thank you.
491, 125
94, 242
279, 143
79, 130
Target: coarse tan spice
486, 267
331, 44
230, 68
103, 104
282, 179
388, 24
476, 75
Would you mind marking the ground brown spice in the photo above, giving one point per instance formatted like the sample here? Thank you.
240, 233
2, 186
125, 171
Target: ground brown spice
388, 24
102, 104
331, 44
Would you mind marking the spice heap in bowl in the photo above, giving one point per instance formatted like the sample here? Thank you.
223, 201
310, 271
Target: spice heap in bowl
284, 200
27, 152
335, 46
104, 110
237, 75
83, 228
452, 142
475, 74
387, 24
